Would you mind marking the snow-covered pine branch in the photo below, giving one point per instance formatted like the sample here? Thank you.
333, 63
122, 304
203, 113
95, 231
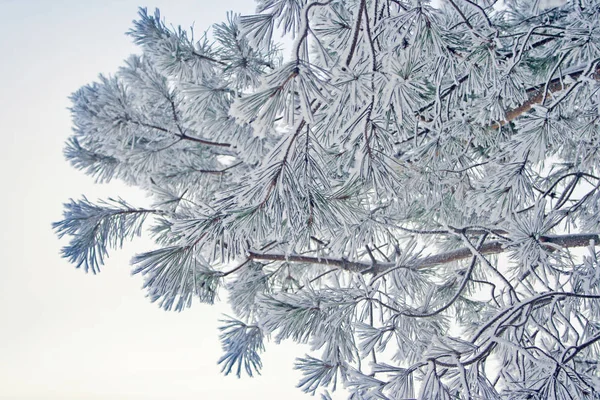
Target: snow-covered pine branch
414, 191
96, 228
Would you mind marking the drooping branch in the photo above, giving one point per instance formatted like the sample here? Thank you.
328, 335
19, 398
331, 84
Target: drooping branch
302, 38
285, 160
355, 33
507, 317
499, 322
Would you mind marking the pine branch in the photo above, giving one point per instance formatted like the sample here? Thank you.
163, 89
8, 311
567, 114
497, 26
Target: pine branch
181, 136
208, 58
355, 32
174, 274
95, 228
317, 227
539, 93
450, 89
475, 251
572, 351
379, 269
242, 345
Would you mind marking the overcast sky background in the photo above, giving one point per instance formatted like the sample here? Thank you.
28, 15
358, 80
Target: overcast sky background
65, 334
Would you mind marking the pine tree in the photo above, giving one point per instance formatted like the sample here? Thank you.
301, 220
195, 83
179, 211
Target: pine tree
415, 191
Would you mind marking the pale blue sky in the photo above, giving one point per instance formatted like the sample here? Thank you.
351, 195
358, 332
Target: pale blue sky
65, 334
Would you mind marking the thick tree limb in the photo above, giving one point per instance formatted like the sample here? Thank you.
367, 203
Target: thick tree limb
496, 247
538, 93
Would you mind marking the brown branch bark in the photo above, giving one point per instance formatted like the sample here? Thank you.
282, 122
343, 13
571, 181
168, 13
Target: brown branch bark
495, 247
538, 93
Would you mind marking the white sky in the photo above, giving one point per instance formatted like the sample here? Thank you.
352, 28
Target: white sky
65, 334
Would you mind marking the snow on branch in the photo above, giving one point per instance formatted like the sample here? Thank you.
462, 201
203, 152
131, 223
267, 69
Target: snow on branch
413, 192
96, 228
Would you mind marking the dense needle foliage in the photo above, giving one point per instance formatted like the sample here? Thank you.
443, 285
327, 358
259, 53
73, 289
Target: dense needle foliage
413, 190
